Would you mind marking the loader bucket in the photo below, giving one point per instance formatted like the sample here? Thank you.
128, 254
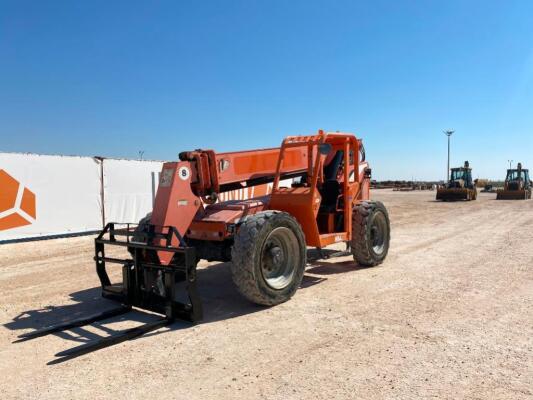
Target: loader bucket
513, 195
452, 194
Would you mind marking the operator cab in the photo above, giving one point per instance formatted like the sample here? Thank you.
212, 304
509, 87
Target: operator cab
330, 216
329, 188
517, 177
462, 175
514, 175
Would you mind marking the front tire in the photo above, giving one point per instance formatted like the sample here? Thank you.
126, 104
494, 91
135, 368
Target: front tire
138, 235
370, 233
268, 257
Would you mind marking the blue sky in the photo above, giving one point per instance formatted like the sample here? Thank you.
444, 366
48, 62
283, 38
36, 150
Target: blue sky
114, 77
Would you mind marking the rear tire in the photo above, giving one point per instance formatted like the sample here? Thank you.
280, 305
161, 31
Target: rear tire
370, 233
268, 257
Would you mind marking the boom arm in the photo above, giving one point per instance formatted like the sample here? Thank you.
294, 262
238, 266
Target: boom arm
216, 173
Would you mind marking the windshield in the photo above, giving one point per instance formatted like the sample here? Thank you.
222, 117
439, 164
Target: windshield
458, 174
512, 175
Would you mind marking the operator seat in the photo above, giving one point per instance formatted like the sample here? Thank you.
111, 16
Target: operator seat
331, 189
330, 192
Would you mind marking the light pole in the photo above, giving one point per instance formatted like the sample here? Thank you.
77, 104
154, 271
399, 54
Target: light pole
448, 133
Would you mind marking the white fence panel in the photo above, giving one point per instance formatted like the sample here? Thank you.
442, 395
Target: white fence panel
129, 188
48, 195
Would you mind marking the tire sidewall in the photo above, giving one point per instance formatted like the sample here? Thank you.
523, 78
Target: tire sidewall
363, 217
376, 210
246, 268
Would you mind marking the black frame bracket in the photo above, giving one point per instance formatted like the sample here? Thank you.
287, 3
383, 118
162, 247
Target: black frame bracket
133, 291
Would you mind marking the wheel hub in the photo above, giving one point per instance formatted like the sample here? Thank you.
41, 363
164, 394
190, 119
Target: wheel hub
273, 259
378, 233
279, 257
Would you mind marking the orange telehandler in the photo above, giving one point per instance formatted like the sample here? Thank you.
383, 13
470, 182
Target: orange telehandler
265, 238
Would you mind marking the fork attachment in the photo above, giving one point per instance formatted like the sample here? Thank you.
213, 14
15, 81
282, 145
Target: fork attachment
146, 282
72, 324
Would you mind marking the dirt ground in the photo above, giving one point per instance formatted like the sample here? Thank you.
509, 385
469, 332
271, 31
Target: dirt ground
449, 315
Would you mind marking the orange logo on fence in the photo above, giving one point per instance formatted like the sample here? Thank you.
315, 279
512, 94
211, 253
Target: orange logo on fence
17, 203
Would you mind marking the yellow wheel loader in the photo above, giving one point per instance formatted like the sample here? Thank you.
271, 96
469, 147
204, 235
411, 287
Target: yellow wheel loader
517, 185
460, 186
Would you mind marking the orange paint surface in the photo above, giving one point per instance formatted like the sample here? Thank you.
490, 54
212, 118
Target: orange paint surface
28, 203
8, 191
12, 221
9, 188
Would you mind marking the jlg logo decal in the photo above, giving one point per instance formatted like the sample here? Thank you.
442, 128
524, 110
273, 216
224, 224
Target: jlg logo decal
17, 203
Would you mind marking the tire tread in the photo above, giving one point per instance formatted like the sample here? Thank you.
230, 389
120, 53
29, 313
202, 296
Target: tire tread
360, 245
243, 255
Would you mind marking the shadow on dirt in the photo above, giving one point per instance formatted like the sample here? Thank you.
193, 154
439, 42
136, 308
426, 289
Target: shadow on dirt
450, 201
327, 268
220, 298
